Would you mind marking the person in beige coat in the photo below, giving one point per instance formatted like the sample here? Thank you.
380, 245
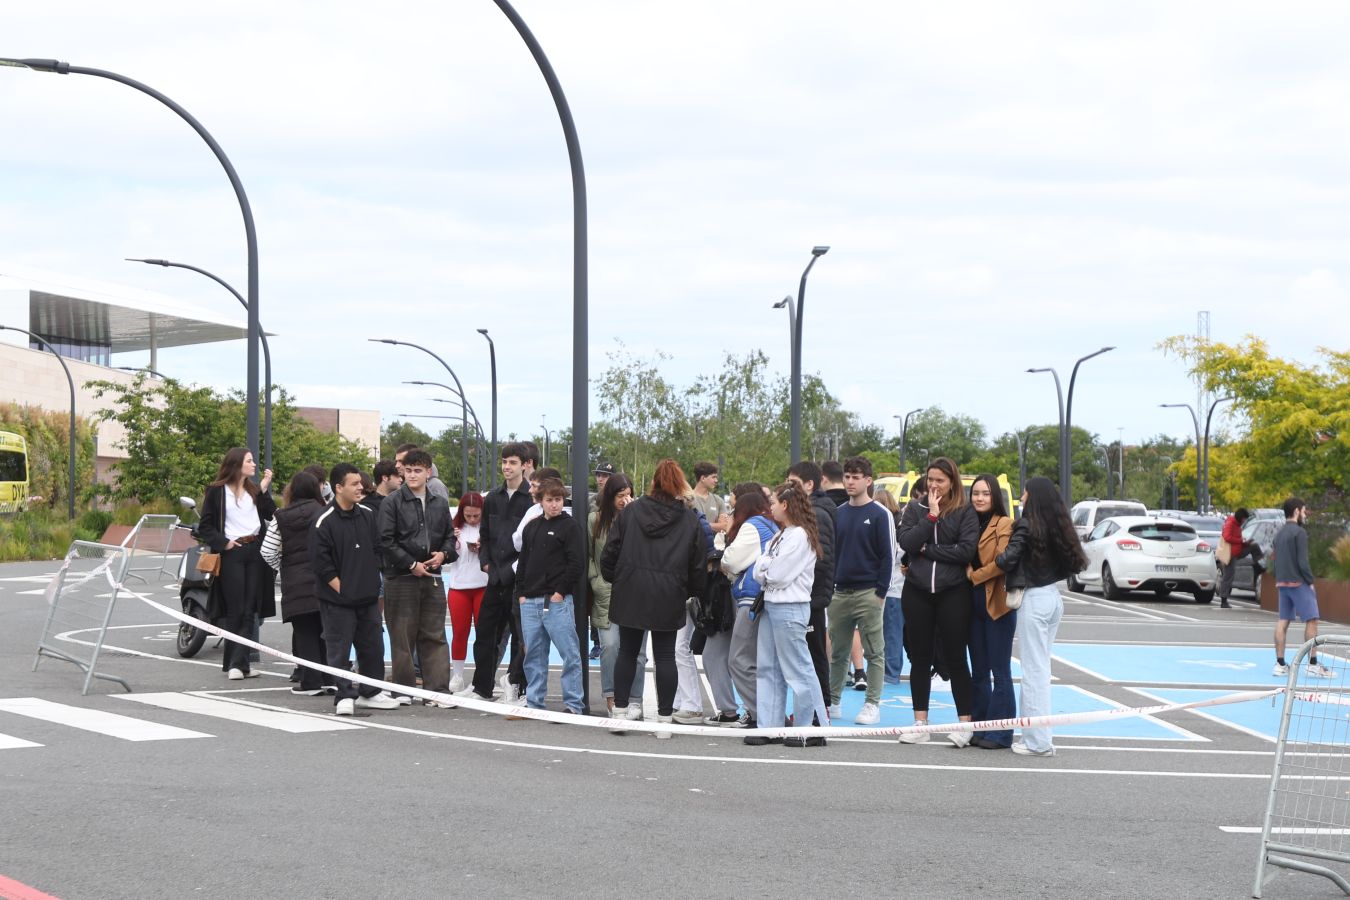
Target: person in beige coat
992, 624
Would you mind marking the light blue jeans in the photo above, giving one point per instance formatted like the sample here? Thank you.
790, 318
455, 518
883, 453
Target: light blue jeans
609, 651
783, 663
893, 630
542, 622
1037, 622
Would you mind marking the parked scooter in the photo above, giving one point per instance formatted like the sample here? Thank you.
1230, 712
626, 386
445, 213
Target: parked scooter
194, 588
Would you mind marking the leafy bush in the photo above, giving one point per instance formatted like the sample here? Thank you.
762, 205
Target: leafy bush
1339, 566
48, 453
42, 533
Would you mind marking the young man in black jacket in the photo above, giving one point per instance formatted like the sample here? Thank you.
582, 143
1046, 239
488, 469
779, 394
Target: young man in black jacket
552, 555
342, 548
502, 511
416, 539
808, 477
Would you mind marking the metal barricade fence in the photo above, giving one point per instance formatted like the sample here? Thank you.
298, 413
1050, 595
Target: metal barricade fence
1308, 809
81, 597
150, 541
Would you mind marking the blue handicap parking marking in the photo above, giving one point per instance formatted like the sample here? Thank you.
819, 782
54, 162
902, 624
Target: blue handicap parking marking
1258, 717
1317, 717
1172, 664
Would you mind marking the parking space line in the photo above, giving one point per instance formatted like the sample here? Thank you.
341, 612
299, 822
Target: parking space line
1182, 733
1265, 738
8, 742
222, 708
111, 724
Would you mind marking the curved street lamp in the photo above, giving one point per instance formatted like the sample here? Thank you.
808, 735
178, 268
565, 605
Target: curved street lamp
492, 356
250, 232
1199, 453
796, 324
70, 486
1066, 425
904, 435
464, 472
262, 336
1209, 416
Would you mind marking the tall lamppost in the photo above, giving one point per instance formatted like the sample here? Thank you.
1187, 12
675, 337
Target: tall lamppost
1209, 416
1022, 438
904, 435
479, 440
1066, 425
796, 324
548, 441
1199, 453
1106, 460
262, 337
250, 233
786, 303
492, 355
464, 401
464, 472
70, 485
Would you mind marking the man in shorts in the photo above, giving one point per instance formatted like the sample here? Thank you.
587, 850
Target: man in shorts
1294, 578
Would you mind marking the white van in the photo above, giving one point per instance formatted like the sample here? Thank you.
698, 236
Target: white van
1086, 514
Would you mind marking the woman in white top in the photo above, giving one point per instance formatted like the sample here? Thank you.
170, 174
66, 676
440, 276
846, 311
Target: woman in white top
786, 570
467, 583
234, 513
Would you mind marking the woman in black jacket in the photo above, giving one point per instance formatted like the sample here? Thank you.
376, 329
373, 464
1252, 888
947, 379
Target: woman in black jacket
1044, 549
940, 540
286, 549
234, 512
655, 560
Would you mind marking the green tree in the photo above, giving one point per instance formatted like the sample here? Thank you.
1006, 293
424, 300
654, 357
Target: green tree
958, 436
398, 432
644, 409
48, 437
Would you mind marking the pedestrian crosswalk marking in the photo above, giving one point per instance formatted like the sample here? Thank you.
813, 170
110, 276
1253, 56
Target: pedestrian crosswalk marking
111, 724
295, 723
13, 743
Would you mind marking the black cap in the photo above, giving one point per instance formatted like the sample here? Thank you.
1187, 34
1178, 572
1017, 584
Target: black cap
604, 469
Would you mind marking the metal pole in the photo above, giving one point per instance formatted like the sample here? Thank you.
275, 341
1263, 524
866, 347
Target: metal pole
1022, 459
1067, 447
70, 485
580, 348
1199, 460
796, 448
250, 232
492, 355
1110, 485
262, 336
1209, 416
904, 436
1063, 456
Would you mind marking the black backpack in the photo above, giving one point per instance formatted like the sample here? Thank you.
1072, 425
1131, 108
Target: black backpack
714, 612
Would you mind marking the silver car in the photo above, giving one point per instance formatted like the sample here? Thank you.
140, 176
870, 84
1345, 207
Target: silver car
1147, 553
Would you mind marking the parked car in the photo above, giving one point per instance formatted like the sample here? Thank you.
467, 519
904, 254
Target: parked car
1147, 553
1209, 528
1262, 531
1087, 514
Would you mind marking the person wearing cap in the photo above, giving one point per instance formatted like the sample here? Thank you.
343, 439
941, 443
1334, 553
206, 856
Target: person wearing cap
602, 473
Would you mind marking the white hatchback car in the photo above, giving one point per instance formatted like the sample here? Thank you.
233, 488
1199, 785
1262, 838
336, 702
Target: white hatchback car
1147, 553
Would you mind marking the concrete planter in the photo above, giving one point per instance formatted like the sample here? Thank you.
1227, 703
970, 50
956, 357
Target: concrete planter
1333, 598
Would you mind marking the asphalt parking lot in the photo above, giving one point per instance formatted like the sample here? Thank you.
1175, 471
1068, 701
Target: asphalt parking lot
195, 787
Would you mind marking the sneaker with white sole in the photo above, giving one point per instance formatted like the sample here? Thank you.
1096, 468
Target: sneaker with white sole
836, 713
437, 704
1317, 670
1280, 671
631, 713
403, 699
915, 737
306, 692
1022, 749
667, 735
381, 700
236, 675
687, 717
870, 714
457, 684
345, 707
959, 738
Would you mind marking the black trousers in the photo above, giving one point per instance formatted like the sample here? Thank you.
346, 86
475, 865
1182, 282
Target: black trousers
345, 627
498, 616
663, 655
307, 643
820, 657
241, 582
942, 618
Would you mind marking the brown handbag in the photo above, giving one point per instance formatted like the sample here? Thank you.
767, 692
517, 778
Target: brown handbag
209, 563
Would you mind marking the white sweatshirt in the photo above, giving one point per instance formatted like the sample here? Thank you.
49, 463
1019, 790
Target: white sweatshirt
787, 567
466, 573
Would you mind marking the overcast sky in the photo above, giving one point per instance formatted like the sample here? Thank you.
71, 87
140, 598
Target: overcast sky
1002, 186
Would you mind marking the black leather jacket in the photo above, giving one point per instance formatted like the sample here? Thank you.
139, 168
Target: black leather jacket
403, 538
1023, 571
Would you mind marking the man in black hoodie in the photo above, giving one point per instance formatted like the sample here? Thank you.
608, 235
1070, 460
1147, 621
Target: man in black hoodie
343, 545
552, 555
808, 477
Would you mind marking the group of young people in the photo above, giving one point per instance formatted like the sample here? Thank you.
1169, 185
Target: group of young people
802, 578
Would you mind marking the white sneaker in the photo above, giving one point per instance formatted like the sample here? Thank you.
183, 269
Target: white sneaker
915, 737
1317, 670
939, 684
457, 684
869, 715
438, 704
666, 735
381, 700
345, 707
959, 738
687, 717
836, 713
634, 712
403, 699
235, 675
1022, 749
1279, 671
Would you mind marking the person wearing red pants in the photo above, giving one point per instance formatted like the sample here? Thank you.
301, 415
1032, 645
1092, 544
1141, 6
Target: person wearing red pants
467, 583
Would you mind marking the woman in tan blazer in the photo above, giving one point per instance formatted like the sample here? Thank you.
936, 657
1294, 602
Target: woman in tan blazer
992, 624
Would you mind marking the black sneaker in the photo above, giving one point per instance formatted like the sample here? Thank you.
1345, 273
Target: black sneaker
730, 719
759, 740
800, 741
848, 678
859, 681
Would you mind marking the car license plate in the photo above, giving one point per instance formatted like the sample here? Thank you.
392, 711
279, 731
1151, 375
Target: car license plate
1170, 568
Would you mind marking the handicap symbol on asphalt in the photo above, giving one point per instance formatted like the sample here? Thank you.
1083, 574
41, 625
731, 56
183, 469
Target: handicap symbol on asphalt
1219, 664
905, 702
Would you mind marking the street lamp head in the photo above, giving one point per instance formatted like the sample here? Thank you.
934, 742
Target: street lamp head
38, 65
389, 341
415, 382
819, 250
1034, 371
784, 302
148, 262
483, 332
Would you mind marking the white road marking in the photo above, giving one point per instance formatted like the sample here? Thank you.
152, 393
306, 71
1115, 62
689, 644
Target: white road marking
293, 723
111, 724
12, 743
32, 579
1205, 715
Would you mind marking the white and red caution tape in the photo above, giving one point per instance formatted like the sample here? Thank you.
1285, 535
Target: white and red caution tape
545, 715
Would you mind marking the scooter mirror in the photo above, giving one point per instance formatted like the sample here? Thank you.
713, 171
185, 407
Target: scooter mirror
188, 502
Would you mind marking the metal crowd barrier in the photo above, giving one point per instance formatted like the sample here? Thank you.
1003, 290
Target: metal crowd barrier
81, 597
151, 538
1308, 809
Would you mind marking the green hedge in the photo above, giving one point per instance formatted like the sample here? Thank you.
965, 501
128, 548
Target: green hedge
48, 453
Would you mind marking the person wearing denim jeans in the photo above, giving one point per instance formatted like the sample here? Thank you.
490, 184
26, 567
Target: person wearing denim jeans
545, 622
892, 614
1037, 622
615, 493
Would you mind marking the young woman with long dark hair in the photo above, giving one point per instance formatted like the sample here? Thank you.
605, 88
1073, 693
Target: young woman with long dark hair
468, 581
614, 496
786, 570
234, 513
940, 540
656, 559
992, 624
1044, 549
